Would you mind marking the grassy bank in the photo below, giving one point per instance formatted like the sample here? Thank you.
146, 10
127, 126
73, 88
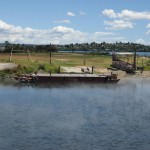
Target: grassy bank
57, 59
41, 61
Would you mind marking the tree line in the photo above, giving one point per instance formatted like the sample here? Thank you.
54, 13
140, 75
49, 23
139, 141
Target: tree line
30, 47
99, 47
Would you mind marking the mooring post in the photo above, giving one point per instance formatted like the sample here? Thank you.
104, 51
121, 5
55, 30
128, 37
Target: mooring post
134, 61
10, 58
92, 69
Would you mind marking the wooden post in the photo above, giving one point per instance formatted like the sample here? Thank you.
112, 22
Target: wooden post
92, 69
127, 58
142, 59
84, 59
134, 60
29, 55
142, 62
10, 58
50, 57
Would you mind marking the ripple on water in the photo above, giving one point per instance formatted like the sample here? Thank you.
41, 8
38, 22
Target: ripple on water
90, 117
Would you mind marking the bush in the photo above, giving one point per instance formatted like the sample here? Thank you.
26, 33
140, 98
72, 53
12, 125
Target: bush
42, 67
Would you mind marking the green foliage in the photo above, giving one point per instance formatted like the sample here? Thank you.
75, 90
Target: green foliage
103, 47
146, 68
41, 67
41, 62
100, 47
148, 63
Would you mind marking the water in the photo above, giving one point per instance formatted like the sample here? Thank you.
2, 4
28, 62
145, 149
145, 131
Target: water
76, 117
144, 54
78, 51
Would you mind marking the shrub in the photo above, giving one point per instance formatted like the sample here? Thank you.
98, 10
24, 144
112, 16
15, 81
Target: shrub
42, 67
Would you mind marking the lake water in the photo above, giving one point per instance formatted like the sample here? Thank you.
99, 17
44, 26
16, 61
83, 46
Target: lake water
144, 54
76, 117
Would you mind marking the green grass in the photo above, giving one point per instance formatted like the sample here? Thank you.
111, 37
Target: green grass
41, 61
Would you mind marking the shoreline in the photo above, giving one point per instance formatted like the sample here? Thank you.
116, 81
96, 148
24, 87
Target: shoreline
121, 75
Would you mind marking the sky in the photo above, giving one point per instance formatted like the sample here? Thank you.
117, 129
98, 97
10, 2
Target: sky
74, 21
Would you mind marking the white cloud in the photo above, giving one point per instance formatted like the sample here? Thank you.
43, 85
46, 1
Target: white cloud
70, 14
148, 32
4, 25
61, 29
118, 24
55, 35
103, 33
148, 26
81, 13
127, 14
62, 21
110, 13
141, 41
108, 37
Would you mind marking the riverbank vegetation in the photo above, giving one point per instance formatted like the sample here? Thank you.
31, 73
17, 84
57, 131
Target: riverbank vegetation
43, 62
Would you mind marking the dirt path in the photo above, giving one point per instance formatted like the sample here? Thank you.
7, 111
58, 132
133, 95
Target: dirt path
7, 66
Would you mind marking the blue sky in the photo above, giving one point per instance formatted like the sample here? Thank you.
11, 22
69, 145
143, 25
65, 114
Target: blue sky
74, 21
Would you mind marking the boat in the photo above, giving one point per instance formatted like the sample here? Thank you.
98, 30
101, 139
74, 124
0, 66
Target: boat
123, 65
67, 78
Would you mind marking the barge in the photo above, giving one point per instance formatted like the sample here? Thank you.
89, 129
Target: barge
67, 78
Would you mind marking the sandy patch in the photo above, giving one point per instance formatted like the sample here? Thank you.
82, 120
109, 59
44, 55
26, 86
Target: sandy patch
101, 70
7, 66
123, 74
79, 69
71, 69
62, 59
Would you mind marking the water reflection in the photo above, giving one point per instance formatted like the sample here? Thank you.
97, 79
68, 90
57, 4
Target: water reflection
81, 116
